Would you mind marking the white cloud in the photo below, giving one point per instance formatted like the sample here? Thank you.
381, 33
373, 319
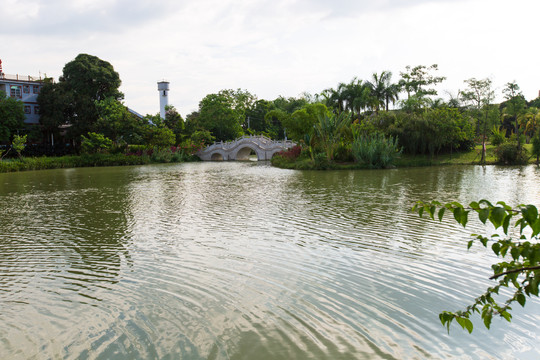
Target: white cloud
273, 48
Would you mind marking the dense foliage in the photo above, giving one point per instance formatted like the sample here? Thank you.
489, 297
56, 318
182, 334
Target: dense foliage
86, 99
520, 268
11, 117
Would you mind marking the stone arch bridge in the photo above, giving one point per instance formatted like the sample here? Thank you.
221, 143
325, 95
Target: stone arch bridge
241, 148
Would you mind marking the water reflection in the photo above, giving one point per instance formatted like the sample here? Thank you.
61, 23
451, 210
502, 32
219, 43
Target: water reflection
62, 251
242, 260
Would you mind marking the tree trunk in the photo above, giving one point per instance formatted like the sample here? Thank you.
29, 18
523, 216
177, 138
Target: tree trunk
483, 159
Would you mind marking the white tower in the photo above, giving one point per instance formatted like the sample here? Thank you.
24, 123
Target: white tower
163, 87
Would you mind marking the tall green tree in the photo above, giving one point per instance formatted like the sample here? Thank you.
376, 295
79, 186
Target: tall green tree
11, 117
480, 95
383, 90
218, 114
358, 96
418, 83
117, 123
55, 109
256, 121
301, 122
84, 80
175, 122
529, 121
515, 106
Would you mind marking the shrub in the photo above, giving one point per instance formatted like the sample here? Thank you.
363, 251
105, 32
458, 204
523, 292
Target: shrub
343, 152
162, 155
292, 153
508, 154
497, 136
18, 144
375, 150
321, 161
95, 143
58, 149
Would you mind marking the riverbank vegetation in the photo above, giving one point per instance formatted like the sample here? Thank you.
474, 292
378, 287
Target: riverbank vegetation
373, 123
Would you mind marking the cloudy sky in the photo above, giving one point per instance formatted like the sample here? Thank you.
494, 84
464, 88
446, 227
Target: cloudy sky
272, 48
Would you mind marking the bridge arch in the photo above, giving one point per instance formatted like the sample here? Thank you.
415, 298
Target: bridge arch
243, 151
241, 148
217, 156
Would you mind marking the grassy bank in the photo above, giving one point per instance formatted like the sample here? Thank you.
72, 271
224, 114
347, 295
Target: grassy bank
41, 163
466, 158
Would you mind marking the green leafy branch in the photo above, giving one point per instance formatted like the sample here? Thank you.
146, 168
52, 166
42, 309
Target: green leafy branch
521, 268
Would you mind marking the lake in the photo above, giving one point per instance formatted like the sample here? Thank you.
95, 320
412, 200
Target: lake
241, 260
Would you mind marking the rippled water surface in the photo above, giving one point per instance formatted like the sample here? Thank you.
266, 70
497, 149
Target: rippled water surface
246, 261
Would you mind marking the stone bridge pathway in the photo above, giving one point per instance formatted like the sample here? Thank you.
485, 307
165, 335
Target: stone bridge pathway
241, 148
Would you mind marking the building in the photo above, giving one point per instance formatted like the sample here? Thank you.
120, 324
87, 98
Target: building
25, 89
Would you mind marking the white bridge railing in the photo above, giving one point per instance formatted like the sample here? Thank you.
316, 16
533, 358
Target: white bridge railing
259, 140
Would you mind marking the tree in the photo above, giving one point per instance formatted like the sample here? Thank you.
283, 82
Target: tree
175, 122
536, 148
416, 82
520, 269
529, 120
515, 105
117, 123
219, 114
301, 121
84, 80
335, 98
480, 94
256, 117
95, 143
55, 108
358, 96
382, 90
11, 117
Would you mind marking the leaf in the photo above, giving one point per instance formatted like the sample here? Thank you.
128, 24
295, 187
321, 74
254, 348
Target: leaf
483, 215
432, 212
506, 223
536, 228
507, 316
515, 252
503, 204
496, 247
470, 244
488, 315
504, 250
446, 318
457, 214
483, 240
497, 216
530, 214
465, 323
421, 211
521, 299
461, 215
483, 201
441, 213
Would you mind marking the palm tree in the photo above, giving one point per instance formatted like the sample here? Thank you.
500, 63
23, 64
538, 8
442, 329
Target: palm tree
529, 121
383, 90
357, 96
334, 98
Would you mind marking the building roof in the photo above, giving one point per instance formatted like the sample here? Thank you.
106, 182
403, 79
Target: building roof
26, 78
